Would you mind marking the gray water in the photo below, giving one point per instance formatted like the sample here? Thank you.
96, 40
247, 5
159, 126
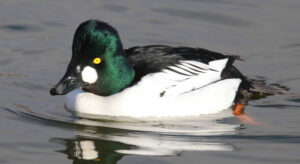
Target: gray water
35, 47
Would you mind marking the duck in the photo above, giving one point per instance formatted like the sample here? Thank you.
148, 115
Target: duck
104, 79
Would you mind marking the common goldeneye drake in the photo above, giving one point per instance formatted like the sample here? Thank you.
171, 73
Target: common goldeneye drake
102, 78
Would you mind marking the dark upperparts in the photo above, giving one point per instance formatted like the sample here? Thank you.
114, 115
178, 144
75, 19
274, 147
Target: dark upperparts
154, 58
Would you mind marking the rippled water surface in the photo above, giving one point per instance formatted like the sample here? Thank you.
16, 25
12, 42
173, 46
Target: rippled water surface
35, 47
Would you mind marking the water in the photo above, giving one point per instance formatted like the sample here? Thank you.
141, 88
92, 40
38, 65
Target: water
35, 47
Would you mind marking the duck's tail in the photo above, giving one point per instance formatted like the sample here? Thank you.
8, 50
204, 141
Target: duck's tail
261, 87
268, 89
257, 89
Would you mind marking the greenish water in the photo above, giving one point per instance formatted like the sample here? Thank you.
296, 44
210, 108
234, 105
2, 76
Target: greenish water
35, 47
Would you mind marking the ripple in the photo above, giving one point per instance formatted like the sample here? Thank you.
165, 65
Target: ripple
206, 16
293, 45
226, 2
30, 85
115, 8
21, 27
10, 75
296, 100
164, 137
281, 106
110, 139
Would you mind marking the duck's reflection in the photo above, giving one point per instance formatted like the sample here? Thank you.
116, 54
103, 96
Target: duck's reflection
108, 142
86, 150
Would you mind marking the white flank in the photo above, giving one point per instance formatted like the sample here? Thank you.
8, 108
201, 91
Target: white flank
187, 89
89, 75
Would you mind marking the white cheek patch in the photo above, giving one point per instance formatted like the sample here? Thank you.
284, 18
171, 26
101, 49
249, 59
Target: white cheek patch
89, 75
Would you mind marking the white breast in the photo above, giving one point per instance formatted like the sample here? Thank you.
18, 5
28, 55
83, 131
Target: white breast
187, 89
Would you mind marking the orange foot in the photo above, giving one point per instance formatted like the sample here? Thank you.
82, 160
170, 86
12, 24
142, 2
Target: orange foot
240, 113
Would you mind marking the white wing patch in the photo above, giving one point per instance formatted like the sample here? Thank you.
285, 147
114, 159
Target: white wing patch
188, 76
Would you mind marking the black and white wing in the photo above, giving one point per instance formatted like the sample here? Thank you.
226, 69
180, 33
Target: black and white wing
184, 77
155, 58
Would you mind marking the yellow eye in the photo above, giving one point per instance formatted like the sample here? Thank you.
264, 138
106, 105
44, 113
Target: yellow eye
97, 60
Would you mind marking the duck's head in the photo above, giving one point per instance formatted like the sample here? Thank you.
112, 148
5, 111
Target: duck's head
98, 64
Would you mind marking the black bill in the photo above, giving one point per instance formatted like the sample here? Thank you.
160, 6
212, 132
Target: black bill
70, 81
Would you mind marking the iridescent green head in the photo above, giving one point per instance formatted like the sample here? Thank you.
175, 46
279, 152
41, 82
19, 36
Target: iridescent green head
98, 63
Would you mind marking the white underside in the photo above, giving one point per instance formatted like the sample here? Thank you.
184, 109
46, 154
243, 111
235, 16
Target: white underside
164, 94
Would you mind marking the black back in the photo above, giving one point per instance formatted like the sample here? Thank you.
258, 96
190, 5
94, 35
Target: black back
154, 58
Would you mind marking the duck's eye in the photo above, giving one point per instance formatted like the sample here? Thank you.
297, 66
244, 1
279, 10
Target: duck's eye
97, 61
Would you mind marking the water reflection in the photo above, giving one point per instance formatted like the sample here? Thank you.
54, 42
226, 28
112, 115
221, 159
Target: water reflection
108, 141
87, 150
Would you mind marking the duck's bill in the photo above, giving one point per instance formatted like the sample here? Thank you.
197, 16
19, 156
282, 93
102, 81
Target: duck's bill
67, 84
